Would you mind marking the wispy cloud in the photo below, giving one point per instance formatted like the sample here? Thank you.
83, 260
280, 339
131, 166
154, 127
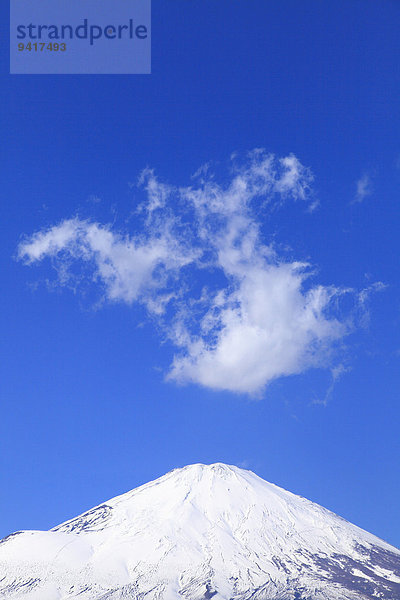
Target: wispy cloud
238, 314
128, 269
363, 301
336, 373
363, 188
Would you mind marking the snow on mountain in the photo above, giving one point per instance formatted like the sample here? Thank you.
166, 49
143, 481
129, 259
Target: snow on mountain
197, 533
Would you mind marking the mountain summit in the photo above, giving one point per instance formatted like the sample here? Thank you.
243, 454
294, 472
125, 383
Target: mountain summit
201, 532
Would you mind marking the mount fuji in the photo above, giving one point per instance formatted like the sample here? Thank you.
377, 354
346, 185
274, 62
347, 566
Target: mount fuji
201, 532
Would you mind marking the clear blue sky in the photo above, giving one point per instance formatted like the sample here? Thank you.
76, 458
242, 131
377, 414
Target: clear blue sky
87, 409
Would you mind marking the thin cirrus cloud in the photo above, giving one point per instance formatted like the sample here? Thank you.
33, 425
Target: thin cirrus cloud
238, 314
363, 188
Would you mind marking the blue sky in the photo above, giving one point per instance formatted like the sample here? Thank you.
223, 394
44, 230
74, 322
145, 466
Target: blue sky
117, 367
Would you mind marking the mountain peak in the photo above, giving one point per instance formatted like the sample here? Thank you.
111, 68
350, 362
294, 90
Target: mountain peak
218, 468
198, 532
199, 470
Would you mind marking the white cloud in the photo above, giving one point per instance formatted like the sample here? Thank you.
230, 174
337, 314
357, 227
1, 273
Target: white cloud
128, 268
363, 188
239, 315
268, 326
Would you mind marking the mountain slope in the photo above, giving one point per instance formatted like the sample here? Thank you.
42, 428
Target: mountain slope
197, 533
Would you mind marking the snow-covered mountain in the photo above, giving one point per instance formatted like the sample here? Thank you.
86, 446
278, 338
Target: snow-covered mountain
197, 533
